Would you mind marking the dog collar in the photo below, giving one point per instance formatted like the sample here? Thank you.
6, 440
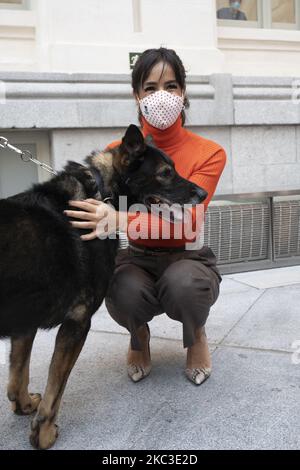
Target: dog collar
100, 183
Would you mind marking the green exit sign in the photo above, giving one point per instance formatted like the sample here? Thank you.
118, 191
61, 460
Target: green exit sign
133, 57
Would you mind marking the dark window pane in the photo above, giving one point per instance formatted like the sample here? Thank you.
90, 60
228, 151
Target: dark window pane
247, 10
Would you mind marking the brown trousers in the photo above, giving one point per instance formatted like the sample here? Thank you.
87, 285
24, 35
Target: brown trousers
182, 284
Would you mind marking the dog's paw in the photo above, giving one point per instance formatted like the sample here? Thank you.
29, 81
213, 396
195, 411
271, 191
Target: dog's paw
28, 407
43, 433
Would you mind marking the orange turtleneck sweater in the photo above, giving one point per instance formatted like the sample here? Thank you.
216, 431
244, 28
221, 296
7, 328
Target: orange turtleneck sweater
197, 159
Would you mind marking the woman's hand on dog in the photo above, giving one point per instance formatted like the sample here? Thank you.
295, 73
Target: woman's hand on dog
98, 216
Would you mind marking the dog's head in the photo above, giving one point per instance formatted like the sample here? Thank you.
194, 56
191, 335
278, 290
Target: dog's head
149, 174
136, 169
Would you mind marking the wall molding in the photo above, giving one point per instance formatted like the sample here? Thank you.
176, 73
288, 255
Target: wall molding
60, 100
258, 39
17, 24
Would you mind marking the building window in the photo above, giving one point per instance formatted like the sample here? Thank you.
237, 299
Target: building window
282, 14
14, 4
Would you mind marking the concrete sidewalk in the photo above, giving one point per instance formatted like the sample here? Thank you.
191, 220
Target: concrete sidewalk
251, 400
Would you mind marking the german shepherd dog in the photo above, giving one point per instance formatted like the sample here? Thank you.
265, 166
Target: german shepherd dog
50, 277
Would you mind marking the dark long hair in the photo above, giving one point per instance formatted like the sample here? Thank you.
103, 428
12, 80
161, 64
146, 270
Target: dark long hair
148, 60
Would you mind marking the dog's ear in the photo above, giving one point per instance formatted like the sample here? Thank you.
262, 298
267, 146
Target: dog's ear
133, 144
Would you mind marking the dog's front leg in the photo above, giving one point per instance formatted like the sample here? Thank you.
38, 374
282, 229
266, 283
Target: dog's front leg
69, 342
22, 402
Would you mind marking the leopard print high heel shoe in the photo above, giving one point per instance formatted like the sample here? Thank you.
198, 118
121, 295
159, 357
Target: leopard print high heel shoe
198, 375
136, 371
197, 355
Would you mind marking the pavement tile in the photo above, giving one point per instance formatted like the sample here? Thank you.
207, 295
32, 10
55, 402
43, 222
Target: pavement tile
250, 401
269, 278
272, 323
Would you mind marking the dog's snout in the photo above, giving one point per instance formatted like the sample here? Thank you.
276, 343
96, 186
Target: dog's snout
201, 193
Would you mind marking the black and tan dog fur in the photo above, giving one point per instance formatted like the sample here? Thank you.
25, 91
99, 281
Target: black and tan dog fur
50, 277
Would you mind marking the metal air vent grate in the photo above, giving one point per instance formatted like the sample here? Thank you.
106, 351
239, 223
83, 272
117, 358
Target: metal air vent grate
286, 229
238, 232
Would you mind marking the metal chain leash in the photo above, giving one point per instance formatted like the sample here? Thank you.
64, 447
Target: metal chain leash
25, 155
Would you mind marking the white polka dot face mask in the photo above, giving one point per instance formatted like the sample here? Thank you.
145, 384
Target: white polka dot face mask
161, 109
